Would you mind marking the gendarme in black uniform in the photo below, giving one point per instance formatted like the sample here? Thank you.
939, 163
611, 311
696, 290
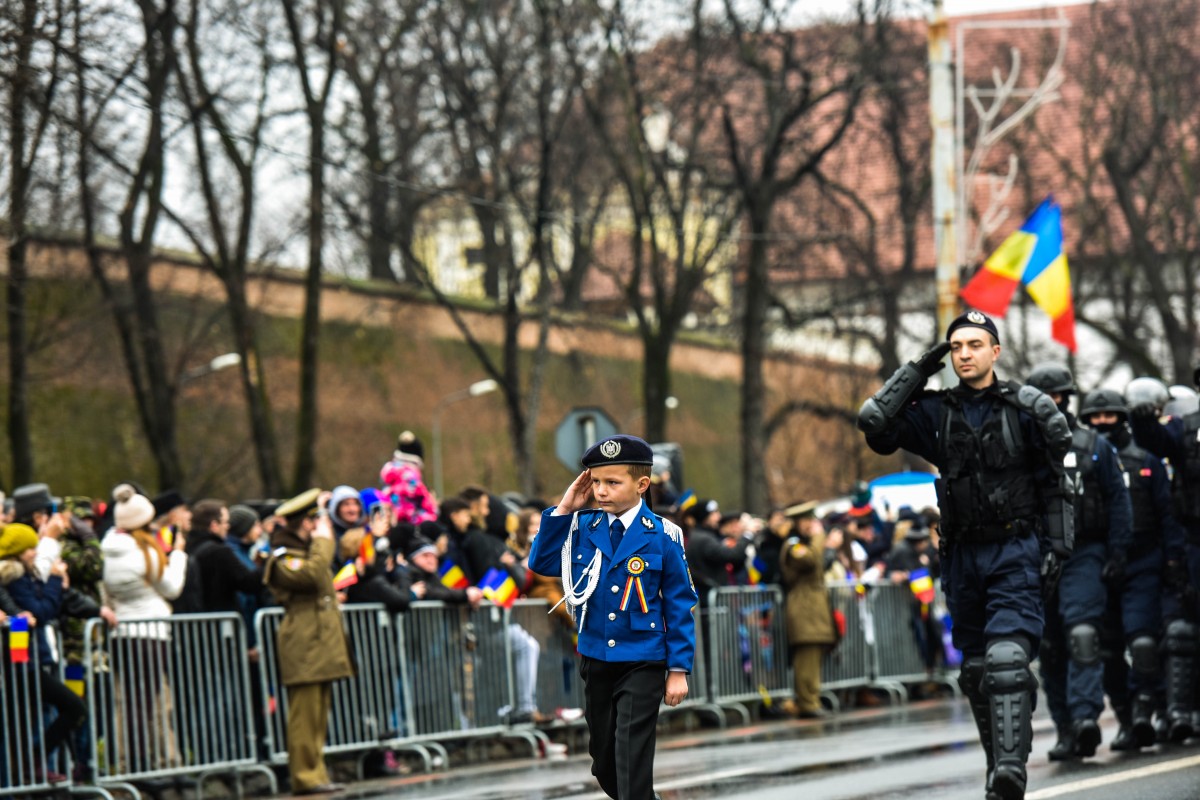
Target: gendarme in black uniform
999, 449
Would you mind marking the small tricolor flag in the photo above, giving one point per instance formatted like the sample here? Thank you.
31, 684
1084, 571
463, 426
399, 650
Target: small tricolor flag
921, 584
1032, 257
755, 567
73, 678
165, 538
366, 550
346, 577
452, 576
18, 640
688, 500
499, 587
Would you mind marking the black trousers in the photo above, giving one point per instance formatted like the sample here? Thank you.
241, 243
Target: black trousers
622, 699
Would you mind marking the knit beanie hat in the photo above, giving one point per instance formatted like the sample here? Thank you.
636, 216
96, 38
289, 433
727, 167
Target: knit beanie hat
408, 443
131, 510
16, 539
241, 520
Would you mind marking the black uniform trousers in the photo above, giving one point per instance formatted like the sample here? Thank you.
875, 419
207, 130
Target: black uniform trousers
622, 699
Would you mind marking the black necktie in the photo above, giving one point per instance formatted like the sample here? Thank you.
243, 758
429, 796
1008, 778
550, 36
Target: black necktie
615, 532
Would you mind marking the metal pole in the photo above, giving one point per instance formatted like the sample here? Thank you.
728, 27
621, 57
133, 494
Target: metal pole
945, 168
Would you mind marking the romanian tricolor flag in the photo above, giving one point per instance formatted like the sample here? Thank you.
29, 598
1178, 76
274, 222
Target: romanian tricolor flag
346, 577
1032, 257
921, 584
165, 538
18, 640
499, 587
73, 678
451, 576
366, 550
754, 570
688, 500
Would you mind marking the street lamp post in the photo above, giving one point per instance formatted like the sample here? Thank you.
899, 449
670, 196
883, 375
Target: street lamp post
476, 389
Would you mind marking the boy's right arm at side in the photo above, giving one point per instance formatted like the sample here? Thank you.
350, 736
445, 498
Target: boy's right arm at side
545, 555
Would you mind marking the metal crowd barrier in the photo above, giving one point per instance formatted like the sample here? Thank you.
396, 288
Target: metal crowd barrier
23, 756
748, 645
898, 657
169, 697
849, 665
558, 683
368, 711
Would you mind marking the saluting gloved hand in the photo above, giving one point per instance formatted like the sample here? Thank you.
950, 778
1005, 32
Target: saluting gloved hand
1114, 570
930, 362
1144, 410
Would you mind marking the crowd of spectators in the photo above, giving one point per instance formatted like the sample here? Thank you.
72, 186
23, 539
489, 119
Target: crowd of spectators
133, 558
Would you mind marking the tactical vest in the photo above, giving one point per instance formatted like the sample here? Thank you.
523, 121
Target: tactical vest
1091, 507
986, 491
1185, 486
1146, 528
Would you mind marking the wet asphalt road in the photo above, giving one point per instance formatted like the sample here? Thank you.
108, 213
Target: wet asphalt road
928, 751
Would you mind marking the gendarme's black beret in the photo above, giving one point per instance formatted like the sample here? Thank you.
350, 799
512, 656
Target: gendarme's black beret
973, 319
619, 449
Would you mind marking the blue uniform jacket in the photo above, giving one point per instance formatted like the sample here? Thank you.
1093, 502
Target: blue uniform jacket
1111, 476
665, 631
1173, 537
1165, 440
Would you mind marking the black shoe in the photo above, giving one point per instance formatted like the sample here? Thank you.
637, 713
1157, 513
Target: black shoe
1087, 737
1008, 782
1064, 748
1179, 728
1144, 733
1125, 741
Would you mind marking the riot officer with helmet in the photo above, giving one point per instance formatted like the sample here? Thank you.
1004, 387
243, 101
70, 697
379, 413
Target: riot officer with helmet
1071, 663
1177, 439
1134, 617
1005, 514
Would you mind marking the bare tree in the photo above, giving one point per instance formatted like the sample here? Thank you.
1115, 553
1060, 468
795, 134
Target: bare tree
505, 94
787, 97
227, 135
30, 33
1137, 174
655, 116
316, 30
388, 128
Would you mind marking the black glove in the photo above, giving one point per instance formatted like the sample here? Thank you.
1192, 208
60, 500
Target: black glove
1114, 571
1144, 410
930, 362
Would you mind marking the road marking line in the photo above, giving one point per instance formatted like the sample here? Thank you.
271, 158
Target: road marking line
1116, 777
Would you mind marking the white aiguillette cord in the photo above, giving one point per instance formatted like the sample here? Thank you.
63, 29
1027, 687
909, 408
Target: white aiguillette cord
592, 572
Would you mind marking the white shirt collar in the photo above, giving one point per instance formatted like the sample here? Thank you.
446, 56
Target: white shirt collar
628, 518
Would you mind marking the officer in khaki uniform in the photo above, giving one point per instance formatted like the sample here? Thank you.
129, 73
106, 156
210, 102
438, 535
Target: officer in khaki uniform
809, 624
313, 650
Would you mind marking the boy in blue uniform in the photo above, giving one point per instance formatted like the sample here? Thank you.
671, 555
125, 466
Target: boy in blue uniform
626, 581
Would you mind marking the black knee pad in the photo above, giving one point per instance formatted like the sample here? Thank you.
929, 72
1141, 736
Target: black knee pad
1180, 639
1143, 653
1006, 668
1084, 641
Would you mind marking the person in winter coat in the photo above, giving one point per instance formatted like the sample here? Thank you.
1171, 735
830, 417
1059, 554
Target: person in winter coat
373, 585
140, 581
544, 587
809, 623
43, 600
404, 485
223, 575
311, 642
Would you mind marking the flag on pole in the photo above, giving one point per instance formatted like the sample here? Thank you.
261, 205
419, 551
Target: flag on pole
1032, 257
755, 567
921, 584
499, 587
